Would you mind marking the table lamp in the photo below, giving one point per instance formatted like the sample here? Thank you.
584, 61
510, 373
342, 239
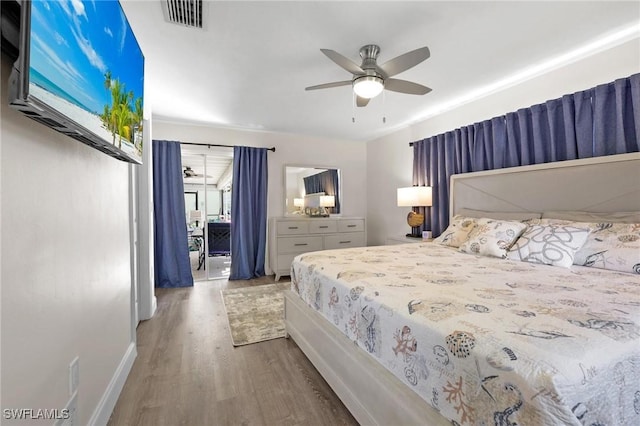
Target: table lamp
327, 201
196, 216
415, 196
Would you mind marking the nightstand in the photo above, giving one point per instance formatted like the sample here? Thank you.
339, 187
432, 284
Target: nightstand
403, 239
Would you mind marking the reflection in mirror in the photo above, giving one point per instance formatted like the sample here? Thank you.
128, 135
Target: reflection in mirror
300, 181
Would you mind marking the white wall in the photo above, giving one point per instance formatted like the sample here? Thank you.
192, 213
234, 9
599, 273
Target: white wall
389, 158
65, 266
348, 156
147, 302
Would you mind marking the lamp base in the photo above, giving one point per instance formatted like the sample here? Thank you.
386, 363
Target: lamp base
414, 236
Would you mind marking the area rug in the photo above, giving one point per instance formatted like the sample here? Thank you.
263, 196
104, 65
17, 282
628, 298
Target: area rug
255, 314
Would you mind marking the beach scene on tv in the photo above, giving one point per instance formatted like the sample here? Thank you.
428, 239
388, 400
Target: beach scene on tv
86, 63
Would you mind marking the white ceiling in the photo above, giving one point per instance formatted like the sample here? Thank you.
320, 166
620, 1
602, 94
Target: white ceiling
248, 68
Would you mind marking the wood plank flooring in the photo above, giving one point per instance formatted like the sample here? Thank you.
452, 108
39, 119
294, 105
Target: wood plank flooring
188, 373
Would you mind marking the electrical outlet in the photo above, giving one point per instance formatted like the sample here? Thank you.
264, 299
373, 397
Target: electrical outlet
74, 375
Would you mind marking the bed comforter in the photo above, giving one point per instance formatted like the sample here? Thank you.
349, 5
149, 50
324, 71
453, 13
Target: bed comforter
487, 341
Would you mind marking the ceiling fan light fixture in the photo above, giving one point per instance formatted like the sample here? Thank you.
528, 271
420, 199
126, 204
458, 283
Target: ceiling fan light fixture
368, 86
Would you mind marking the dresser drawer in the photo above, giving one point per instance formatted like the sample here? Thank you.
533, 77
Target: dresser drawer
348, 239
351, 225
323, 227
292, 227
284, 262
299, 244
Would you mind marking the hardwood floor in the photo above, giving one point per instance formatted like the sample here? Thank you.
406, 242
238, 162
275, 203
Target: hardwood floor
188, 373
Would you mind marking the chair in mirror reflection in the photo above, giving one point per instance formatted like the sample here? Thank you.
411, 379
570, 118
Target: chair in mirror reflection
196, 235
219, 238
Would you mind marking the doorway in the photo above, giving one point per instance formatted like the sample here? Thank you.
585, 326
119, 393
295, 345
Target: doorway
207, 177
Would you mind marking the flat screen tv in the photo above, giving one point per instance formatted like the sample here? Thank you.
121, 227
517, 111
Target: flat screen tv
80, 71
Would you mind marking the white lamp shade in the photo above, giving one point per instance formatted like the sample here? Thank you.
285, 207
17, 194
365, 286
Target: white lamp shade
327, 201
195, 215
368, 86
415, 196
298, 202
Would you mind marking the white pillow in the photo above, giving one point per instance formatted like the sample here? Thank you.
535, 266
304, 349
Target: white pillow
549, 244
613, 246
491, 237
457, 231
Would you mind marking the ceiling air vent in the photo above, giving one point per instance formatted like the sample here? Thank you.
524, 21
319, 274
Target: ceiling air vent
184, 12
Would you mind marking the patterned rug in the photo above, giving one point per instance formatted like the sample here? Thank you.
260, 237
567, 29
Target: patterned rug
255, 314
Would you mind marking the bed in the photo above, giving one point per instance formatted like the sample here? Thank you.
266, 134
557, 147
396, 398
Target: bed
425, 334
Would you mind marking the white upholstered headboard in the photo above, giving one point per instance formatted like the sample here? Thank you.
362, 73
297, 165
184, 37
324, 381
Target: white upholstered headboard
600, 184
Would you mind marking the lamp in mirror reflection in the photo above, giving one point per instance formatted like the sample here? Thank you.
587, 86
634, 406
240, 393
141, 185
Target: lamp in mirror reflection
415, 196
298, 203
327, 201
195, 218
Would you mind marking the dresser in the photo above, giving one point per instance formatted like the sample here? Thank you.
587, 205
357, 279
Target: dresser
291, 236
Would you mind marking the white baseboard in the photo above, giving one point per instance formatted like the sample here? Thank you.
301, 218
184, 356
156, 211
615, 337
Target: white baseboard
108, 401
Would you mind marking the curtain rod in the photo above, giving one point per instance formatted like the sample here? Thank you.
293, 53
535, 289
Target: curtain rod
209, 145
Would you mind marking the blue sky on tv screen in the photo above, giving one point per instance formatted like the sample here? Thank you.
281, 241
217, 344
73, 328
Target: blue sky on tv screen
74, 43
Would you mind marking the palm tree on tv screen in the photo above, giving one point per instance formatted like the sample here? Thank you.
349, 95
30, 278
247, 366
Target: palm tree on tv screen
119, 117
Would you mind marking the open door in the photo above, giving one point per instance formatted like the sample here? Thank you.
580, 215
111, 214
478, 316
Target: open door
207, 178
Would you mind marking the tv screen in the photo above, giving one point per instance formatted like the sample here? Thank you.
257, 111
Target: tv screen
81, 72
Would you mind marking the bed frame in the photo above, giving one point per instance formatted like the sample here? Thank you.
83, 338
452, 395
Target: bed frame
374, 395
599, 184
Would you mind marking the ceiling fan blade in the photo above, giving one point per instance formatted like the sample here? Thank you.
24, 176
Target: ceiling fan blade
362, 102
342, 61
329, 85
404, 86
404, 62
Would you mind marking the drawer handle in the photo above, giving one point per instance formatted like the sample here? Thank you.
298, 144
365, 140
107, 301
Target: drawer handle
300, 244
345, 242
351, 226
323, 227
293, 227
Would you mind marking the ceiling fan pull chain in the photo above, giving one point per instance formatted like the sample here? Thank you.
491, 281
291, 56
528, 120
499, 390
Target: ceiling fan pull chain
384, 107
353, 106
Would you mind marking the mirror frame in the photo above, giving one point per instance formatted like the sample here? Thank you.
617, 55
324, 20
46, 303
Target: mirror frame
308, 166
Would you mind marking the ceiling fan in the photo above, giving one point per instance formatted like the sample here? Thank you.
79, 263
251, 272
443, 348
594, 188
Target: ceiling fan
190, 173
369, 79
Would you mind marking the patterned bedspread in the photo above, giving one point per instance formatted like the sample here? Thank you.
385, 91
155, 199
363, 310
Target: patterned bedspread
487, 341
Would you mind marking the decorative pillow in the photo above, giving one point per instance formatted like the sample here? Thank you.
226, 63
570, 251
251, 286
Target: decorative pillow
499, 215
457, 231
549, 244
491, 237
613, 246
577, 216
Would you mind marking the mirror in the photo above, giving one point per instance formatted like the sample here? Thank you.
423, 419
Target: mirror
301, 181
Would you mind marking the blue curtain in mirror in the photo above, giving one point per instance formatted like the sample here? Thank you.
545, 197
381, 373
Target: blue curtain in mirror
248, 213
326, 182
313, 184
601, 121
171, 250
